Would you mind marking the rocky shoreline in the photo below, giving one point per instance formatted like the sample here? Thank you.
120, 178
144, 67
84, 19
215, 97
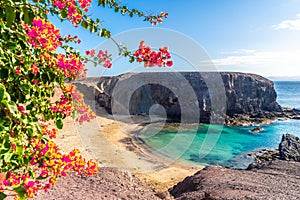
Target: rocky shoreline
262, 118
274, 175
275, 180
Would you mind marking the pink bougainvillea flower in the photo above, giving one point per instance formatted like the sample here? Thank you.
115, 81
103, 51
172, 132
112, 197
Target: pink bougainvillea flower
43, 34
18, 70
71, 65
34, 69
34, 81
21, 108
14, 147
71, 5
102, 58
93, 52
169, 63
152, 58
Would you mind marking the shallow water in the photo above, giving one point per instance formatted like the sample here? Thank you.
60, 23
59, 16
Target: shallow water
222, 145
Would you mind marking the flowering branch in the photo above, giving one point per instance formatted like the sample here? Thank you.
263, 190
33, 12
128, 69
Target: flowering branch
33, 73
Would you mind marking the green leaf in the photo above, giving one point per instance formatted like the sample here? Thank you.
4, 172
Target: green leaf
30, 106
3, 73
59, 123
2, 196
19, 149
131, 60
21, 192
7, 157
84, 24
12, 107
28, 15
10, 15
24, 87
39, 1
2, 92
64, 13
41, 178
92, 28
104, 33
102, 2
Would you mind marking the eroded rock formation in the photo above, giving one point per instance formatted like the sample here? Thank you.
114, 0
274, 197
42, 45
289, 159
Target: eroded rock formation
208, 96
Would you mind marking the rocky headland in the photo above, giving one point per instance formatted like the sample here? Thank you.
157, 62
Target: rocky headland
237, 99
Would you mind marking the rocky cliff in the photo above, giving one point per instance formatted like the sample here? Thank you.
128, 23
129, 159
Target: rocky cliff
186, 96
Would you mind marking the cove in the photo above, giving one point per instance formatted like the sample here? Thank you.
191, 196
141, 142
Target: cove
227, 146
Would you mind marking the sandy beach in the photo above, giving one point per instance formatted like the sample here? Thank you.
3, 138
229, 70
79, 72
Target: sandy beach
112, 144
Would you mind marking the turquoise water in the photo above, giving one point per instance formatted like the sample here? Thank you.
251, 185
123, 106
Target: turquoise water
222, 145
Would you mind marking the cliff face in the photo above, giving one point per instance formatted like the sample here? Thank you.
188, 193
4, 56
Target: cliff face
249, 93
208, 96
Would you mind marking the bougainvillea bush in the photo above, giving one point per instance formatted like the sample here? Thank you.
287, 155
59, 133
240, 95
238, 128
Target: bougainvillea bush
37, 64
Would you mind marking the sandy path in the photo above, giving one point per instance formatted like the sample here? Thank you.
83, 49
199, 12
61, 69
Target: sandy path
109, 143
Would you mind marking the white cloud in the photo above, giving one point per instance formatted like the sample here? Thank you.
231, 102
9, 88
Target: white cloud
239, 51
262, 62
253, 58
293, 24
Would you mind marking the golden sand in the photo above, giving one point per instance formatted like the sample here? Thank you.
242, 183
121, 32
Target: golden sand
111, 144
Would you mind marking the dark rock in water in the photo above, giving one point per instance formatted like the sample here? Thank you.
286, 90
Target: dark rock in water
263, 157
257, 130
289, 148
296, 117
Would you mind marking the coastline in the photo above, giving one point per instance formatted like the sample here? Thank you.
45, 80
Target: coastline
115, 143
112, 144
270, 176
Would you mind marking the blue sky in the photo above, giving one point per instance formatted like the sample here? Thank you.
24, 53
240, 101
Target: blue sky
257, 36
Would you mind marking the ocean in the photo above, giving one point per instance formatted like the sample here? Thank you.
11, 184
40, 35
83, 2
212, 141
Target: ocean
288, 94
222, 145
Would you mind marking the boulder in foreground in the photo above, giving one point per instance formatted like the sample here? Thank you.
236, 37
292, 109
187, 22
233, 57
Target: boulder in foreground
110, 183
268, 178
289, 148
276, 180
